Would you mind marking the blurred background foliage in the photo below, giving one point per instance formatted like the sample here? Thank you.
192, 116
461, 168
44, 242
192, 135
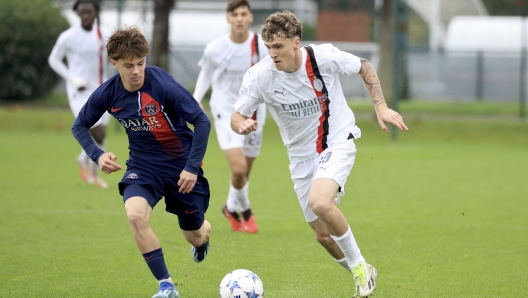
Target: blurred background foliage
29, 31
506, 7
31, 27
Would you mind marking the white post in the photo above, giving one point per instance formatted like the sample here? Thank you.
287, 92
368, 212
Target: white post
435, 26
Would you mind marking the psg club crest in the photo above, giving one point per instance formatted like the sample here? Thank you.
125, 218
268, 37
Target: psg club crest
150, 109
132, 176
318, 85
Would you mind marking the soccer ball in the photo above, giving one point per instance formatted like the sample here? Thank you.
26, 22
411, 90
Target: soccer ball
241, 283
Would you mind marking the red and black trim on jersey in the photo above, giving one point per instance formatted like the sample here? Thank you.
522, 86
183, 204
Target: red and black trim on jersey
255, 57
321, 93
100, 40
151, 111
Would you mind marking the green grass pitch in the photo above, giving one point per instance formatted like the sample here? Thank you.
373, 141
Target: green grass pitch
441, 212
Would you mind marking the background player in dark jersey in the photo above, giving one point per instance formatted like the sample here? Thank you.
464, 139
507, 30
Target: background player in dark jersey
165, 155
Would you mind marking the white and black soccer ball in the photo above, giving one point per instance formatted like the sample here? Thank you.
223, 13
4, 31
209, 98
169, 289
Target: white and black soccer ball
241, 283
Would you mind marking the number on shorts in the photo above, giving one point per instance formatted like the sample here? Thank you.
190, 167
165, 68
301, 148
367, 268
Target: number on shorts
253, 139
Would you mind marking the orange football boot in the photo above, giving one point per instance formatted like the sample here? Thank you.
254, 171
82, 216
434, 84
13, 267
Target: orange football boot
249, 222
98, 182
85, 176
234, 220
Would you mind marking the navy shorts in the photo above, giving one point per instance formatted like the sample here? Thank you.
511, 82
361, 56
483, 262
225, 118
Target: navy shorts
190, 207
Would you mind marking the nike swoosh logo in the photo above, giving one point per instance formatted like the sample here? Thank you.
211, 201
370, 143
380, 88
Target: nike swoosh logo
146, 259
113, 110
187, 211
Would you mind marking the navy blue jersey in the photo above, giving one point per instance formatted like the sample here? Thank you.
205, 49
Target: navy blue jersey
155, 119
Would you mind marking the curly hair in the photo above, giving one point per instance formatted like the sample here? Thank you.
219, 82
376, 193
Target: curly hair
281, 24
127, 43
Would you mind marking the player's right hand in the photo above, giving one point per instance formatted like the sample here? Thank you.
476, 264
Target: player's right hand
390, 116
79, 83
108, 163
247, 126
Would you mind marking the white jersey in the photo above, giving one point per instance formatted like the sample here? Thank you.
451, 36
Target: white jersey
224, 62
85, 53
308, 105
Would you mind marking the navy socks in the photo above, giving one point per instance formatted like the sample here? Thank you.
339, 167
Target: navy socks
156, 263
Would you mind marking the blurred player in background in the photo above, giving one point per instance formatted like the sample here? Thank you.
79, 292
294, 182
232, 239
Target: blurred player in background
165, 154
300, 86
83, 47
224, 62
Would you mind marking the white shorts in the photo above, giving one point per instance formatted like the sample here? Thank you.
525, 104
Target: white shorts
335, 163
228, 139
77, 100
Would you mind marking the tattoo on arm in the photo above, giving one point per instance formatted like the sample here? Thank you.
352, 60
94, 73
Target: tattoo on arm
371, 81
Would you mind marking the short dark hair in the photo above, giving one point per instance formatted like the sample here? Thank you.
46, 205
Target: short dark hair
96, 4
284, 24
234, 4
127, 43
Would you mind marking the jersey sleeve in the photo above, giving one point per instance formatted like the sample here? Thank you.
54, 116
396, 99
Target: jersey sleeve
249, 96
207, 57
183, 103
202, 127
188, 109
90, 113
57, 55
337, 61
205, 77
203, 82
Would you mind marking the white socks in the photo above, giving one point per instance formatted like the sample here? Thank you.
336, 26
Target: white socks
165, 280
91, 167
83, 158
344, 263
86, 162
350, 249
102, 145
238, 199
94, 167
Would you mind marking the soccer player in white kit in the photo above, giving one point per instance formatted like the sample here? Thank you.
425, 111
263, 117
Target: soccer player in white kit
83, 46
301, 88
224, 62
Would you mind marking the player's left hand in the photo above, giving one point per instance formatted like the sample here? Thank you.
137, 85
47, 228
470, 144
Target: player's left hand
108, 163
186, 182
391, 116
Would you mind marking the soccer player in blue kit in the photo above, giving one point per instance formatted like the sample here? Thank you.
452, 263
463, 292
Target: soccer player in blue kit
165, 155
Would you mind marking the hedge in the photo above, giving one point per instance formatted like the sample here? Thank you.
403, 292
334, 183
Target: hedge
29, 29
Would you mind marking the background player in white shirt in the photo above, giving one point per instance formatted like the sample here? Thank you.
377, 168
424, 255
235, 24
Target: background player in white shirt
224, 62
301, 89
83, 46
